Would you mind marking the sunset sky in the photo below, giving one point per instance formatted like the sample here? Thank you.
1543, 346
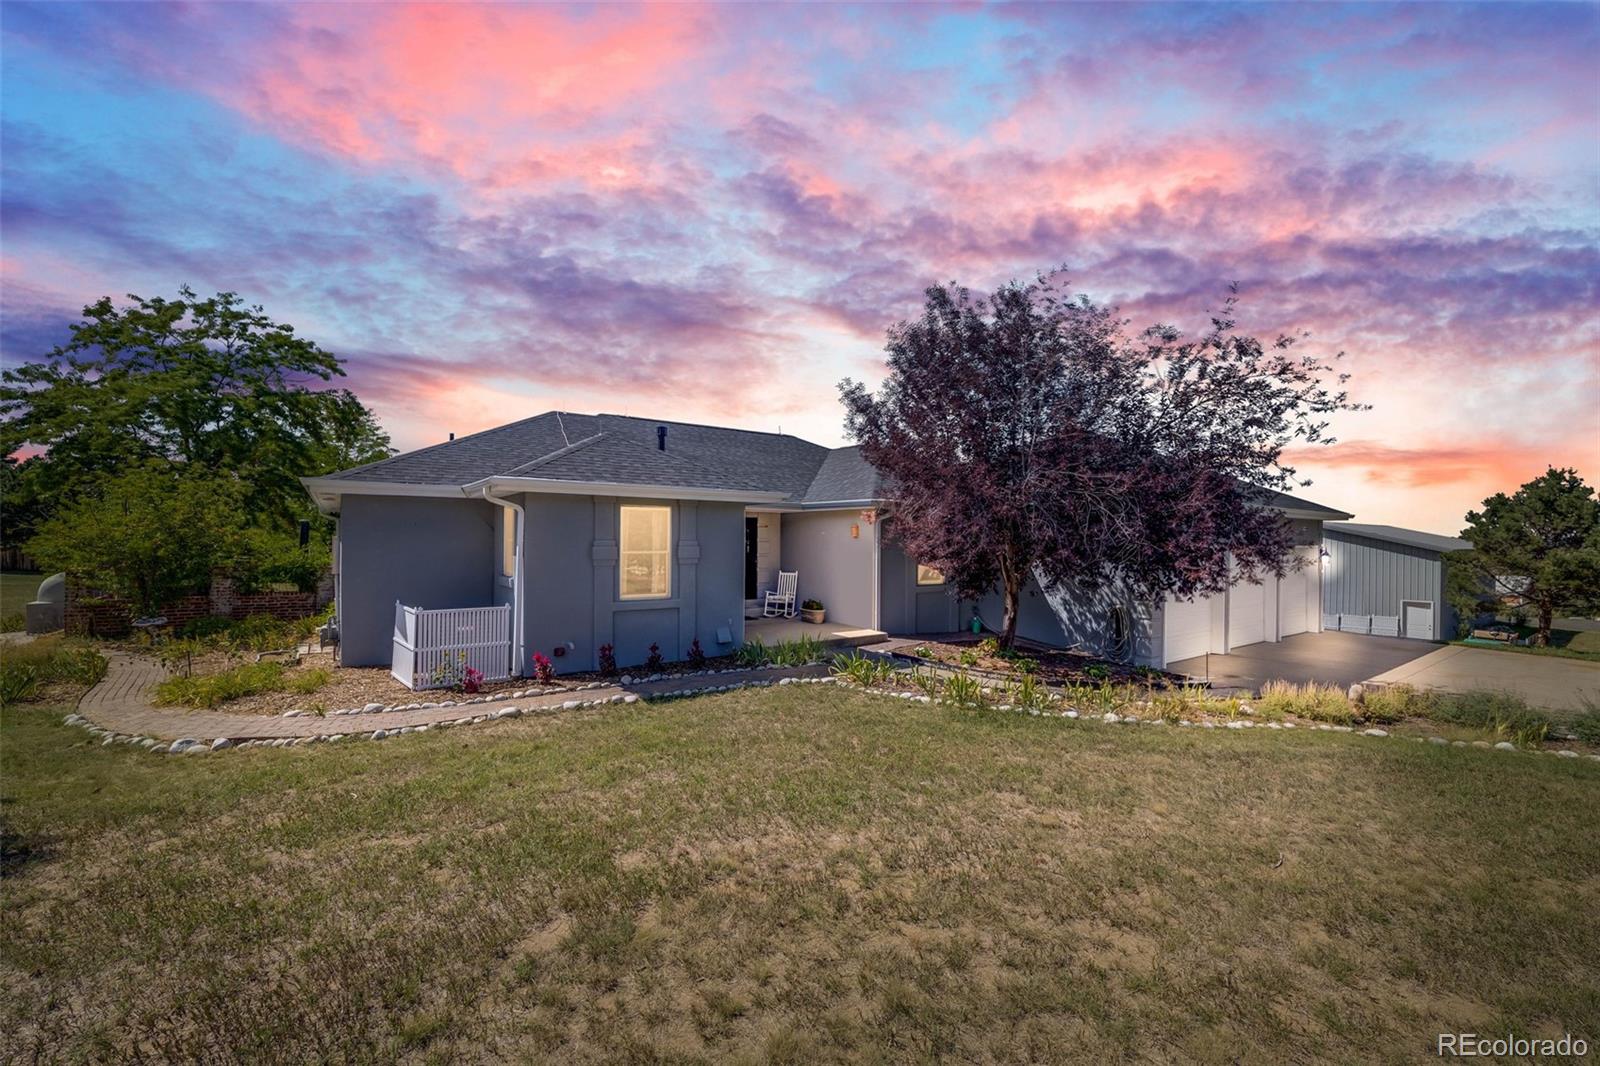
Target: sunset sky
711, 213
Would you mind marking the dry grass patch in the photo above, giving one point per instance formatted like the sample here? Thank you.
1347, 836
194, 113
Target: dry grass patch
794, 874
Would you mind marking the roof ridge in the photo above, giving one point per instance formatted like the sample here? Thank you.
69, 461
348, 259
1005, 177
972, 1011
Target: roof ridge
709, 425
558, 453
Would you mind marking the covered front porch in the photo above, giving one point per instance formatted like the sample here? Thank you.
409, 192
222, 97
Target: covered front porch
771, 631
835, 553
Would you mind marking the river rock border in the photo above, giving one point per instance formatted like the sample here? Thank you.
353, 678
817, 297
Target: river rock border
1112, 718
500, 697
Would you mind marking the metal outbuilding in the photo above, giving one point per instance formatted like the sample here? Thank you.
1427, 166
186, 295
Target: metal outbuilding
1386, 581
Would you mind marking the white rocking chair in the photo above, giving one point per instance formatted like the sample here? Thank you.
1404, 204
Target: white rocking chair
781, 601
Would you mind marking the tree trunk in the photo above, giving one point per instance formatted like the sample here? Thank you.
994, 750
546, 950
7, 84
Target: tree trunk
1541, 639
1011, 589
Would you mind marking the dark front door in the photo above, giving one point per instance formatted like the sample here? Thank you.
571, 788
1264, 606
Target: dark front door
752, 529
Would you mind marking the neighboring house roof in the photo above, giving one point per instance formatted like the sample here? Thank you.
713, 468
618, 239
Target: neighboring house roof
1296, 507
562, 451
1394, 534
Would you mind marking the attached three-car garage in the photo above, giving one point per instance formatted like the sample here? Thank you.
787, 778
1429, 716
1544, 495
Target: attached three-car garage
1249, 612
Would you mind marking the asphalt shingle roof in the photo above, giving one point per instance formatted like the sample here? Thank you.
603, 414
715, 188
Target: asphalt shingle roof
618, 449
622, 450
844, 477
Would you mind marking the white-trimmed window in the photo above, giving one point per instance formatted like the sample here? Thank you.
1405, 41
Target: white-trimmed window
645, 553
508, 543
927, 575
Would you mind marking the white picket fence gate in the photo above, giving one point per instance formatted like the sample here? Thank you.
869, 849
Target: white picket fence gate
425, 641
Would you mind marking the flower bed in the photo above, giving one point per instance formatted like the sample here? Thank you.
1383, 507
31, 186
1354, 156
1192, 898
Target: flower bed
1049, 666
350, 686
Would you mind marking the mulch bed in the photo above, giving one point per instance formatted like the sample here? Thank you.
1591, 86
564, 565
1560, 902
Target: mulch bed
1054, 667
351, 686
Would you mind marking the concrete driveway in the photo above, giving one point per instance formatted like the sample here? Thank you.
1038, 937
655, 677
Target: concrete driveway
1331, 658
1543, 680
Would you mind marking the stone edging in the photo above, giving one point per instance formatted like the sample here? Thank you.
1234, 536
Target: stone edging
625, 679
1112, 718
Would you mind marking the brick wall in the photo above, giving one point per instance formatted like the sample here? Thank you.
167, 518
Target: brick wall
90, 614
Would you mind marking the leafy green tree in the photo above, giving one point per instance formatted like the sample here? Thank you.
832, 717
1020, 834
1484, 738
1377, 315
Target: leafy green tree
1538, 548
147, 535
207, 384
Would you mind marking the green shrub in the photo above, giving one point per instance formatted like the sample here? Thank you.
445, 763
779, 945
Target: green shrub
862, 669
753, 653
1394, 703
1587, 726
204, 627
798, 652
259, 632
18, 681
963, 689
15, 622
1028, 692
1319, 703
24, 667
208, 690
1501, 713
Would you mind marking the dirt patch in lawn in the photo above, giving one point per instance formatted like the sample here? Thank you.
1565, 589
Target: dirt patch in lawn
1051, 666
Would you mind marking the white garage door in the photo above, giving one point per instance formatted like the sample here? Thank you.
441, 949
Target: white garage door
1247, 614
1294, 591
1186, 630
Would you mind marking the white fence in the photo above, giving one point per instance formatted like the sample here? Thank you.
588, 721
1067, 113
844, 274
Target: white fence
1377, 625
429, 646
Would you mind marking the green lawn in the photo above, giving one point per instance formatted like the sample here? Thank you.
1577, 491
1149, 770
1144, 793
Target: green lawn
798, 874
1564, 643
16, 590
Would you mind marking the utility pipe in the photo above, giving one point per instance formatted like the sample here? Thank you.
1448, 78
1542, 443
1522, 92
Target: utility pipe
516, 515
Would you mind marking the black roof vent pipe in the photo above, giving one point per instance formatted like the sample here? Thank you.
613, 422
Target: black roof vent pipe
661, 438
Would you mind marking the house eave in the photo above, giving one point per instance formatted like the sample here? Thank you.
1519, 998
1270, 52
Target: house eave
621, 488
1316, 516
327, 491
840, 505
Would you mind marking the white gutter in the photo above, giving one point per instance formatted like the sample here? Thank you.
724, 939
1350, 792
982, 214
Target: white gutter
515, 514
502, 483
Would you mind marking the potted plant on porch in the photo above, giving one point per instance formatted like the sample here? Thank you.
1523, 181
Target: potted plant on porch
812, 611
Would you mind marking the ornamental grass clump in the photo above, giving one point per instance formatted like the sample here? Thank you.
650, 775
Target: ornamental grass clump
1319, 703
1395, 703
860, 669
209, 690
1501, 713
964, 689
753, 653
802, 651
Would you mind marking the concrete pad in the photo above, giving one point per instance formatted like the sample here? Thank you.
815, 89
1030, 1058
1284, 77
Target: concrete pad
1543, 680
1325, 658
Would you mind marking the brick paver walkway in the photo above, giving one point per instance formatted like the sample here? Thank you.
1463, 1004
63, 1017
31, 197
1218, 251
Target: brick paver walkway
121, 704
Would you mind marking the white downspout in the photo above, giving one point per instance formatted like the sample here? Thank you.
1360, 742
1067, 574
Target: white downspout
515, 514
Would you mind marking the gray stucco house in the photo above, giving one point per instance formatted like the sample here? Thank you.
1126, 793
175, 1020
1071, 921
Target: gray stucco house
607, 529
1394, 576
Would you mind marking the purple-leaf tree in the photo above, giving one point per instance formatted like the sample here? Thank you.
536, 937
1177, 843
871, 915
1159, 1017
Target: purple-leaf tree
1030, 433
